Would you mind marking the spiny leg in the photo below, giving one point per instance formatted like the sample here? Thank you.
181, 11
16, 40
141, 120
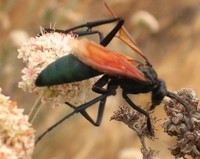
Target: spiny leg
76, 110
87, 25
140, 110
98, 88
88, 117
103, 41
112, 33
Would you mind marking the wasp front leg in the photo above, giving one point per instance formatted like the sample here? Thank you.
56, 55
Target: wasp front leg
128, 100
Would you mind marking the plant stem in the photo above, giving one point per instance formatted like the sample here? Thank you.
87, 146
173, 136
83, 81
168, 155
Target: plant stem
35, 109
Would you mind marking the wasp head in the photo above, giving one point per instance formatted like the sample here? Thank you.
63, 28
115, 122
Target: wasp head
158, 93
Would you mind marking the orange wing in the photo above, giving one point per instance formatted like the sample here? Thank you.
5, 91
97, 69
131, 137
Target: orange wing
105, 60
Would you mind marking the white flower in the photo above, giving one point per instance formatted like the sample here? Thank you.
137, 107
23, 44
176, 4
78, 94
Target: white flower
16, 134
39, 52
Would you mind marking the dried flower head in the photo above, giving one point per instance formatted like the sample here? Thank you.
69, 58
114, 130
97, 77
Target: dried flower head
134, 120
137, 122
16, 133
177, 124
40, 51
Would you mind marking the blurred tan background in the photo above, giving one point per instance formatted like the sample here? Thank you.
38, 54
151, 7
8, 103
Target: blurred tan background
174, 50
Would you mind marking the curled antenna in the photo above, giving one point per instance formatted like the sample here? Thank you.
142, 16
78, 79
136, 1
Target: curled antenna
184, 103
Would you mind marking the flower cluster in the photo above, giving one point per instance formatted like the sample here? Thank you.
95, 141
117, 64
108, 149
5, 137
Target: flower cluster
138, 122
16, 133
177, 124
40, 51
134, 120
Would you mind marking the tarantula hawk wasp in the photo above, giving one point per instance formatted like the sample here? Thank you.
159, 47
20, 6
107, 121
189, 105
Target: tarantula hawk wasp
91, 59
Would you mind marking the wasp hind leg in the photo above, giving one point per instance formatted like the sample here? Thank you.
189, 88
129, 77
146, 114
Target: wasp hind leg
80, 109
87, 116
89, 26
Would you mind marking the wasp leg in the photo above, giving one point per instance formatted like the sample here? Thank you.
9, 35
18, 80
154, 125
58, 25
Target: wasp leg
84, 113
90, 32
112, 33
103, 41
79, 33
87, 116
98, 88
76, 110
87, 25
124, 94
